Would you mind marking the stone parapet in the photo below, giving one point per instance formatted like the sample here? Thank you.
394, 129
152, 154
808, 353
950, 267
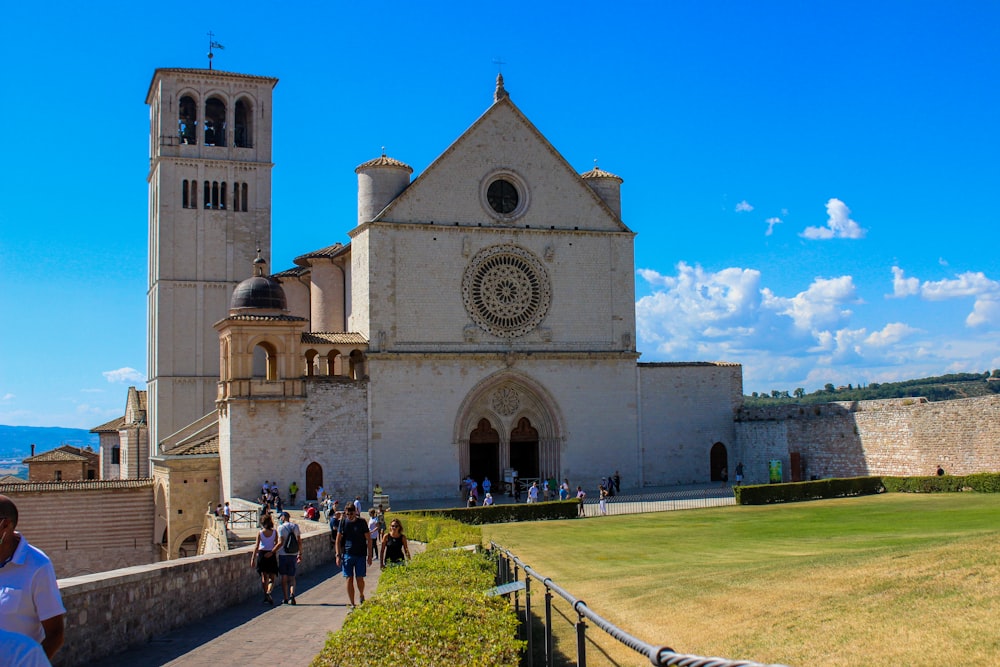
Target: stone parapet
112, 611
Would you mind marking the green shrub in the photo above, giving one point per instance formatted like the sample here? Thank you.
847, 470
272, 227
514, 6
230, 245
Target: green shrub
763, 494
556, 509
432, 612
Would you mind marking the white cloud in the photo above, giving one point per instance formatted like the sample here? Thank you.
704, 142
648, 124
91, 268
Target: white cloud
890, 334
744, 207
771, 222
984, 311
819, 306
126, 374
838, 225
903, 286
8, 396
966, 284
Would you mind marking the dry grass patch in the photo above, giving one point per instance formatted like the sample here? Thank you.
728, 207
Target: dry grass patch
890, 580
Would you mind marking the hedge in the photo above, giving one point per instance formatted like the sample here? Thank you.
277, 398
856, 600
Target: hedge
555, 509
859, 486
431, 612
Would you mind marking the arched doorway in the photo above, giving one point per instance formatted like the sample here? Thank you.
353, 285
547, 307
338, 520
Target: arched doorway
524, 449
189, 547
314, 480
718, 461
484, 452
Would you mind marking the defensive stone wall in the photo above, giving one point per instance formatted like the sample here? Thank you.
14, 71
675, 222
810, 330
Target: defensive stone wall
112, 611
87, 526
908, 436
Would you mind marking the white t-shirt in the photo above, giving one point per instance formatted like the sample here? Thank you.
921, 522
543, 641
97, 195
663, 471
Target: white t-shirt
21, 651
283, 530
28, 592
373, 528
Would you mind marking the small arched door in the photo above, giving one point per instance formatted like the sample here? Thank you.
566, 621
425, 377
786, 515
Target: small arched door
718, 461
524, 449
484, 452
314, 479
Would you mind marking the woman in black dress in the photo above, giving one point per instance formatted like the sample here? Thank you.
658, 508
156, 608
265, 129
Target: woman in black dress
395, 548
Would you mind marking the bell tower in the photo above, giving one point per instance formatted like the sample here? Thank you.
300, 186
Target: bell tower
209, 210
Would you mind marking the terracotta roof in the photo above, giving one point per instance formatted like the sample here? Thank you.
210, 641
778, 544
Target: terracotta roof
112, 426
54, 456
12, 479
293, 272
334, 338
246, 317
78, 485
384, 161
600, 173
209, 445
328, 252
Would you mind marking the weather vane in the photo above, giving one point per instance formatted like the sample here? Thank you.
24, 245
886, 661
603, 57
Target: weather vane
212, 44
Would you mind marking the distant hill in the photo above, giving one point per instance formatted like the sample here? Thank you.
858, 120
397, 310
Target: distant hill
15, 441
937, 388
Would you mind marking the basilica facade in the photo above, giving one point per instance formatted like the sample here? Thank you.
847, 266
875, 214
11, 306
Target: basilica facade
477, 319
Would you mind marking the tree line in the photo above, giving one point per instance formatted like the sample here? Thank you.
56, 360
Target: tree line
936, 388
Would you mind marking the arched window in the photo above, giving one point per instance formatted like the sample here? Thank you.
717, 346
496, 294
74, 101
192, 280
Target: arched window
265, 362
243, 198
185, 195
194, 194
215, 194
222, 196
215, 122
311, 369
357, 365
208, 194
187, 121
244, 124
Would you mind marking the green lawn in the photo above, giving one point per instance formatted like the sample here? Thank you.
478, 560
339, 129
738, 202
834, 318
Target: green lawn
895, 579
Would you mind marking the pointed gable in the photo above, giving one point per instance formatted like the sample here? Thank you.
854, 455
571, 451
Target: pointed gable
502, 143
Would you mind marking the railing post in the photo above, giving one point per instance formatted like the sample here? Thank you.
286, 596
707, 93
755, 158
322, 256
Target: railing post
517, 599
581, 642
549, 658
527, 618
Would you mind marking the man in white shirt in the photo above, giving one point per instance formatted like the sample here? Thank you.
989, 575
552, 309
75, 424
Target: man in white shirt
30, 603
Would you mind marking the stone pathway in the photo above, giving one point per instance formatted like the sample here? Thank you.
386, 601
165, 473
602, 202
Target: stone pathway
252, 633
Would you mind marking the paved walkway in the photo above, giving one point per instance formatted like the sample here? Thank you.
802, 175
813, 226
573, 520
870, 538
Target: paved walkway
249, 633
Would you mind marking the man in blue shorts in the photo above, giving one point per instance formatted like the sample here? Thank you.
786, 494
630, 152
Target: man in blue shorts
354, 551
289, 554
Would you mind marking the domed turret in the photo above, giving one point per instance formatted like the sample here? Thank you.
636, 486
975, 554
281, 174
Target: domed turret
608, 187
258, 292
379, 182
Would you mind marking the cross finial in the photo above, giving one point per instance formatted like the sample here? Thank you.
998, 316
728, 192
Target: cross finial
212, 44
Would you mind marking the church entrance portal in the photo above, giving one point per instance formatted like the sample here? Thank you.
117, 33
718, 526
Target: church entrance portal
484, 452
524, 449
314, 480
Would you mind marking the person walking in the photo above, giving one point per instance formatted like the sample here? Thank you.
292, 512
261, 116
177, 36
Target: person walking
533, 493
293, 490
617, 479
739, 473
603, 502
289, 555
265, 556
581, 495
373, 529
30, 603
226, 513
354, 551
395, 548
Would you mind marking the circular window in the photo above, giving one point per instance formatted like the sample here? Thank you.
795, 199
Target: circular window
506, 290
502, 196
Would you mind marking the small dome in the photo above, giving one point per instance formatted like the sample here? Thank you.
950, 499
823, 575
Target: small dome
384, 161
597, 172
259, 292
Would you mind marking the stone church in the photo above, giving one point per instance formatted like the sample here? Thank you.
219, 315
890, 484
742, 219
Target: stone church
477, 319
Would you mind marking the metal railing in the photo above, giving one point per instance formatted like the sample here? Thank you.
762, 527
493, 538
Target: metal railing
243, 518
509, 569
637, 503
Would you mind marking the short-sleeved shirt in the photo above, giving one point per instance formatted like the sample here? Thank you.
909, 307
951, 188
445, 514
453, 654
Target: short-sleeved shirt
355, 535
284, 530
28, 592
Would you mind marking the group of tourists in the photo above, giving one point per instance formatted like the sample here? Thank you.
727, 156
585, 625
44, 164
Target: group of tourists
357, 542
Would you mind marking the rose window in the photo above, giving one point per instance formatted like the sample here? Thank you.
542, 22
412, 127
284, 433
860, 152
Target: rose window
506, 290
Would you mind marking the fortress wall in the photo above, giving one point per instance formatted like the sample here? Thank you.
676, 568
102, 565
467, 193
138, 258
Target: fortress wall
111, 611
888, 437
87, 527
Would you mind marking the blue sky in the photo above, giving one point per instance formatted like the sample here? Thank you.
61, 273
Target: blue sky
814, 186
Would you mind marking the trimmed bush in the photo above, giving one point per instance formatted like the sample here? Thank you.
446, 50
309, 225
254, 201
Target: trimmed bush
554, 509
763, 494
432, 612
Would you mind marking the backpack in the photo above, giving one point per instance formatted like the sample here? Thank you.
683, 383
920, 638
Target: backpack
292, 542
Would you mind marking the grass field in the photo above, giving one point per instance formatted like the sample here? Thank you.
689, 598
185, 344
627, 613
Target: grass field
895, 579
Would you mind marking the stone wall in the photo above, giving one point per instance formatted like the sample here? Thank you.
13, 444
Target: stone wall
907, 436
87, 527
112, 611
